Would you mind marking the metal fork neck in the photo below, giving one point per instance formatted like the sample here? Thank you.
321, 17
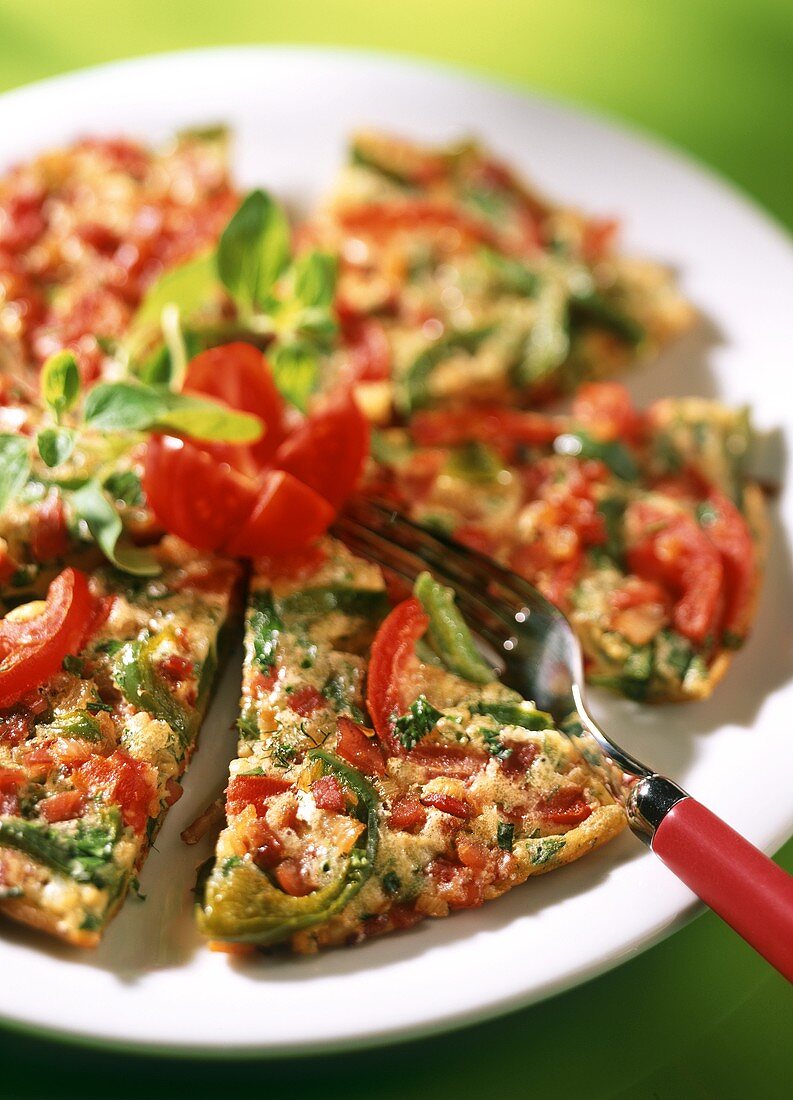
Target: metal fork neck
649, 802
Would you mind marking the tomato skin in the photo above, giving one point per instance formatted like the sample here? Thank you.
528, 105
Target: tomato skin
33, 651
455, 761
62, 807
393, 651
566, 807
253, 790
447, 804
192, 495
328, 451
239, 375
730, 535
121, 780
285, 516
674, 551
357, 749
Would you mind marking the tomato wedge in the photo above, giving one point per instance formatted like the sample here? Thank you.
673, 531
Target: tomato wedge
239, 375
674, 551
393, 651
192, 495
33, 651
286, 515
328, 451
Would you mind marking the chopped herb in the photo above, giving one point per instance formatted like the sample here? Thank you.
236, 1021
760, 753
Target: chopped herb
73, 664
421, 719
545, 849
281, 753
230, 863
265, 626
505, 835
391, 883
495, 746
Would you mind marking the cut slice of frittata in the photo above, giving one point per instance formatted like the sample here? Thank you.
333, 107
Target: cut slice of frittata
383, 774
90, 761
458, 282
644, 526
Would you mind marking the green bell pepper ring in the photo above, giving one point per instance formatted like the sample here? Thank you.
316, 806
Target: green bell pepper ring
448, 633
244, 906
141, 685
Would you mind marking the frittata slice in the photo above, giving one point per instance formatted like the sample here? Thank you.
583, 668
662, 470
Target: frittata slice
91, 760
458, 282
383, 774
644, 527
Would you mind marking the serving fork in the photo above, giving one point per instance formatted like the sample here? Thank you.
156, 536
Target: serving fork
540, 657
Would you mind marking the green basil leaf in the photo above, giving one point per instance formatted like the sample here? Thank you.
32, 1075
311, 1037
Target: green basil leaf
296, 372
123, 406
55, 445
208, 420
315, 279
124, 486
60, 382
189, 287
92, 506
253, 250
133, 406
14, 466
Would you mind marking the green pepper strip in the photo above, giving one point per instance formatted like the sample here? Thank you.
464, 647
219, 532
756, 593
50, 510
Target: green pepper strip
244, 906
140, 685
448, 634
515, 714
415, 391
594, 309
366, 602
85, 856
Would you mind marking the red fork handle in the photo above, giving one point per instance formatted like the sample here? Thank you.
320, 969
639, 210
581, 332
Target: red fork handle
746, 888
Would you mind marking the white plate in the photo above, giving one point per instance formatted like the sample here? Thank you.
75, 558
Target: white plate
151, 984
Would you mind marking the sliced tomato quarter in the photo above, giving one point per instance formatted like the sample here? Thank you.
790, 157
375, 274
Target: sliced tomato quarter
286, 515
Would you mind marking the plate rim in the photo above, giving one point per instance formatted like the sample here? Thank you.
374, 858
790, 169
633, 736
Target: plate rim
608, 120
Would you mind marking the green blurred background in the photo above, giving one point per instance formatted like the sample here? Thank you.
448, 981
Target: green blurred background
699, 1015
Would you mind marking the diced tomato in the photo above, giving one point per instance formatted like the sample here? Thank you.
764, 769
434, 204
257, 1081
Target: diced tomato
122, 781
306, 700
366, 343
10, 782
407, 814
22, 220
460, 887
393, 652
472, 854
598, 238
447, 804
727, 530
268, 850
502, 428
566, 807
32, 651
15, 727
606, 411
262, 683
454, 761
239, 375
521, 757
671, 549
291, 879
328, 451
635, 592
49, 537
174, 790
174, 470
329, 794
357, 749
62, 807
287, 514
253, 790
176, 668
